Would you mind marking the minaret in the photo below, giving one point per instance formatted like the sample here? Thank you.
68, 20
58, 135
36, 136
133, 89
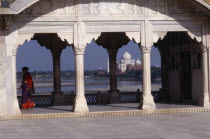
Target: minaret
108, 66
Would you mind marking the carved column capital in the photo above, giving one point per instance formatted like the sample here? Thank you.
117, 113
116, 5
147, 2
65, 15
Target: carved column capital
145, 49
79, 33
204, 48
14, 51
79, 51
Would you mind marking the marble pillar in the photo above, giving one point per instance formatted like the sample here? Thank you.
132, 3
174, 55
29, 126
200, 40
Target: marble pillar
8, 89
114, 93
3, 96
209, 71
147, 100
58, 97
56, 54
204, 100
113, 70
16, 109
80, 104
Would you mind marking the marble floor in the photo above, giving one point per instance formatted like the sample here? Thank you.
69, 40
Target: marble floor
160, 126
97, 108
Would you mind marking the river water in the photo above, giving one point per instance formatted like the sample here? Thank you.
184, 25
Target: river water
90, 84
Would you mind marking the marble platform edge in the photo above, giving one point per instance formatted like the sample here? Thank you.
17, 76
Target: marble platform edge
106, 113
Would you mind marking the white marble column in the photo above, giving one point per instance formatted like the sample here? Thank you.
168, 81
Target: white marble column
204, 100
80, 104
147, 100
14, 82
209, 71
8, 88
3, 96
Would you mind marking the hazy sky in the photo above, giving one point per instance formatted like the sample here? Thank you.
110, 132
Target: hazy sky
32, 55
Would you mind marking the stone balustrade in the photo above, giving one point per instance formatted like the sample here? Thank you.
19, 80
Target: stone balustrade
94, 98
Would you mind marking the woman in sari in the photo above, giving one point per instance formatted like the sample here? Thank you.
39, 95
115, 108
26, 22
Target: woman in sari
27, 84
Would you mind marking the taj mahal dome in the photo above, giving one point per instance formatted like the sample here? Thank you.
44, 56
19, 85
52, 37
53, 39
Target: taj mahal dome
125, 62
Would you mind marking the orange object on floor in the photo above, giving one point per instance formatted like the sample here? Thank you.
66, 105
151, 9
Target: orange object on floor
28, 105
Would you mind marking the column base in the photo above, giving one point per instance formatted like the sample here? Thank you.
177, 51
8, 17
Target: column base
13, 109
16, 107
114, 97
80, 105
204, 101
58, 98
147, 103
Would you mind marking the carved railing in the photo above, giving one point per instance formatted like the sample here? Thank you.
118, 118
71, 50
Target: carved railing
134, 97
129, 97
40, 100
94, 99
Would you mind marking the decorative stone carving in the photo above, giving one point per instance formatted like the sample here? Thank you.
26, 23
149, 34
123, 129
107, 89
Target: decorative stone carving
79, 37
11, 39
91, 36
86, 7
182, 7
136, 36
24, 38
66, 37
52, 7
109, 7
14, 51
113, 8
158, 35
95, 7
131, 7
79, 50
197, 36
138, 7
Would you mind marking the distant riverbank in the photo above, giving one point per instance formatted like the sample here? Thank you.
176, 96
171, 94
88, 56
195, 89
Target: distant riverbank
91, 86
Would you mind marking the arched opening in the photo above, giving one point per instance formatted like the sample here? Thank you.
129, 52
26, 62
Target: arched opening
181, 64
52, 69
129, 66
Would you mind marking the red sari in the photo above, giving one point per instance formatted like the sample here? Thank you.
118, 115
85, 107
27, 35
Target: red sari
27, 83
